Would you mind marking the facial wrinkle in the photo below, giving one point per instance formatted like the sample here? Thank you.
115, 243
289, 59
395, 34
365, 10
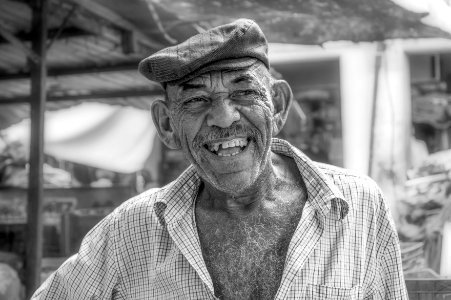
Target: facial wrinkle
255, 112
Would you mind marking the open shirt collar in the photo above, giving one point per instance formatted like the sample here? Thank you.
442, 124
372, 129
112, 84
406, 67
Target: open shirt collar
177, 198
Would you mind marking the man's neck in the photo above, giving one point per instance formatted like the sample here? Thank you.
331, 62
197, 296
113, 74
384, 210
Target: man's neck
280, 171
251, 234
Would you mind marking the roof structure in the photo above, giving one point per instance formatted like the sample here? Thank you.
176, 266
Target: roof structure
93, 51
313, 21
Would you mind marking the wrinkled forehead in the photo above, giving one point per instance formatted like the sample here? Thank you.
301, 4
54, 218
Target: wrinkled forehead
257, 74
223, 77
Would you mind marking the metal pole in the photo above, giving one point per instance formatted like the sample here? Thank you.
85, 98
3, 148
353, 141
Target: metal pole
377, 68
38, 73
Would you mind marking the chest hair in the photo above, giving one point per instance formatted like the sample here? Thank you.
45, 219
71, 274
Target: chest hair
245, 256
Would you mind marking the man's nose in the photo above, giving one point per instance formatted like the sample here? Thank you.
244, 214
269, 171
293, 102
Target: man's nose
222, 114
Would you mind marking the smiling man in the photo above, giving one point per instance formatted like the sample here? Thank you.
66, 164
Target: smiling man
252, 217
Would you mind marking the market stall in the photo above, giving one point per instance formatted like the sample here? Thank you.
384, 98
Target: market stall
425, 217
425, 208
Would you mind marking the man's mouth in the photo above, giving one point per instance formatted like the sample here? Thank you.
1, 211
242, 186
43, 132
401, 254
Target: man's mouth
228, 148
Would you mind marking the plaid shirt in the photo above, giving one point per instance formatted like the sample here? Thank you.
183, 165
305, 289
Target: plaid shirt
345, 245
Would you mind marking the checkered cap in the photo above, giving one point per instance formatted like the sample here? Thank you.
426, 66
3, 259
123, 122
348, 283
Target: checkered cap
232, 46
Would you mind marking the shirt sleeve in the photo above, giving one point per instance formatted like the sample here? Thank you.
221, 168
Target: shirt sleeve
390, 283
90, 274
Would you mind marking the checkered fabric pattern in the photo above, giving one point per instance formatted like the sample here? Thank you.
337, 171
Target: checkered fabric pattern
345, 245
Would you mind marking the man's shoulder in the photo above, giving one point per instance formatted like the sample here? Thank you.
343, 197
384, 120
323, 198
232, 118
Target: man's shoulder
346, 175
143, 199
140, 206
150, 206
358, 189
335, 170
340, 176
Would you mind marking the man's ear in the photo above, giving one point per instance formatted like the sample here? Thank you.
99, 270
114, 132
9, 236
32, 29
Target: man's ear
282, 99
162, 121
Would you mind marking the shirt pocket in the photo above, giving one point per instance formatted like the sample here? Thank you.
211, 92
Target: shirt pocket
315, 292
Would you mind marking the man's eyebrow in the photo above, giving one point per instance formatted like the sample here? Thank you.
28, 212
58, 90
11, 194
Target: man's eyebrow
243, 77
188, 86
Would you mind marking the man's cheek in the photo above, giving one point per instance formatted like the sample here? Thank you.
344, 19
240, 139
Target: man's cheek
180, 121
257, 114
254, 110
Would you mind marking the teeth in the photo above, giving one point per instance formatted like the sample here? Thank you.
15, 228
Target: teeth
241, 142
231, 154
228, 144
214, 147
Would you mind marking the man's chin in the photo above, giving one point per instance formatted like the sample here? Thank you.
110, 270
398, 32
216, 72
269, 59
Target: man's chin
233, 183
230, 174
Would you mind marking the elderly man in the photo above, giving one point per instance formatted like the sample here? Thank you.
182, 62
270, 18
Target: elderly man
252, 217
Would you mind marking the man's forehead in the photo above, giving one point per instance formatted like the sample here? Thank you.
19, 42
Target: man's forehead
226, 76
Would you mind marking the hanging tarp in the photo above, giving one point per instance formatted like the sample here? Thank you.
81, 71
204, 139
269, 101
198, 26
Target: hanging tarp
94, 134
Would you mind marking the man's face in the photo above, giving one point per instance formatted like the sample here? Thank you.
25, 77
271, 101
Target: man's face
223, 121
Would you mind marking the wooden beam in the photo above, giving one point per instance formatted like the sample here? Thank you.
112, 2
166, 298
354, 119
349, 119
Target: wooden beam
98, 27
129, 42
61, 27
129, 66
78, 24
92, 96
156, 19
117, 20
10, 37
68, 32
35, 175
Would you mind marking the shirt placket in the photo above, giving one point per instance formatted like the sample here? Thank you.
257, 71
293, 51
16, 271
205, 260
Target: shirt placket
186, 239
304, 241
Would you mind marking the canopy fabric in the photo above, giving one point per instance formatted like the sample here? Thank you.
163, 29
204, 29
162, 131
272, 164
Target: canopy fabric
11, 114
109, 137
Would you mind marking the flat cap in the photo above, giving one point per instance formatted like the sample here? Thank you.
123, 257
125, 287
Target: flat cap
231, 46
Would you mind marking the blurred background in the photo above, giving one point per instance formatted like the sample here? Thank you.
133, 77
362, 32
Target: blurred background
372, 88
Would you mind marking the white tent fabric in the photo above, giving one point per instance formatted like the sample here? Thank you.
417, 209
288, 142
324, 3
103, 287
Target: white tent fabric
109, 137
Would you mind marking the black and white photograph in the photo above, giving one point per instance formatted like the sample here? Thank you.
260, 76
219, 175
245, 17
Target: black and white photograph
225, 149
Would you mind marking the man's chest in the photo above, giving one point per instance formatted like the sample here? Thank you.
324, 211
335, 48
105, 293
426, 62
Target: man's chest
328, 255
246, 258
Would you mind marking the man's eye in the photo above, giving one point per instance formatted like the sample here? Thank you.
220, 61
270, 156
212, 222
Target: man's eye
245, 93
194, 101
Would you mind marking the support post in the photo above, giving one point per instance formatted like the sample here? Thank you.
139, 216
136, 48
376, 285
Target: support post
374, 107
38, 72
